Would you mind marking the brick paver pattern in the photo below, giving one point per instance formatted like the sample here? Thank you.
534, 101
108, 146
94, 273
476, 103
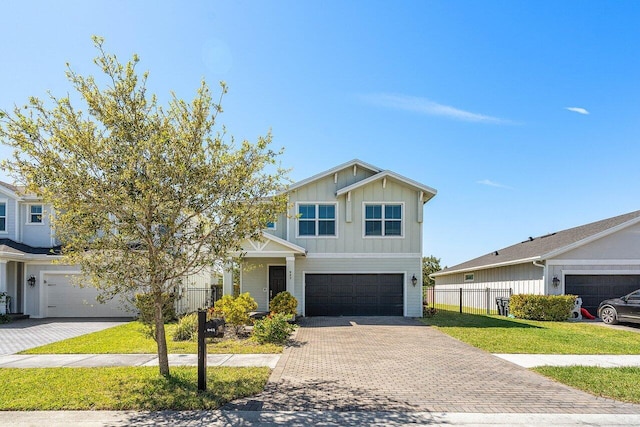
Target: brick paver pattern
399, 364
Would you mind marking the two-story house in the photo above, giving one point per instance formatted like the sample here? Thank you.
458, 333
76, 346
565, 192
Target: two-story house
350, 244
35, 284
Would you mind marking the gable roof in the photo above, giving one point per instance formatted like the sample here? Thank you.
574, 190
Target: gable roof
430, 192
549, 245
354, 162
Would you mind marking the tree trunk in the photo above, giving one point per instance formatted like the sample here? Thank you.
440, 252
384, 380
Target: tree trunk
161, 339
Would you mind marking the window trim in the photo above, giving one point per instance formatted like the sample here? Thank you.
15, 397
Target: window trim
6, 222
29, 222
469, 277
383, 204
317, 220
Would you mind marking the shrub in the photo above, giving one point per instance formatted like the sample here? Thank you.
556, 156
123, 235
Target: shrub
542, 307
284, 303
274, 329
428, 311
146, 311
235, 311
187, 328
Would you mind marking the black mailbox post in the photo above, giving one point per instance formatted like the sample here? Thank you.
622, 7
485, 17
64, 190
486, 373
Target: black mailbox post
214, 328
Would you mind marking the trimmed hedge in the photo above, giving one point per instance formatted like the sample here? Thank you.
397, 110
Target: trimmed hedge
555, 308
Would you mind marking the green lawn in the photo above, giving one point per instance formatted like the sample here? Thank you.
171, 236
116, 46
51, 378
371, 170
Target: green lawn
130, 388
615, 383
130, 338
498, 334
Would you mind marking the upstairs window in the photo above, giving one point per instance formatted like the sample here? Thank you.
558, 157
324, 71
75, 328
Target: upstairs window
271, 225
3, 216
383, 220
35, 214
316, 220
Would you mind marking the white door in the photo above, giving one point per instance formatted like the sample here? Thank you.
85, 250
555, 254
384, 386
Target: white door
66, 300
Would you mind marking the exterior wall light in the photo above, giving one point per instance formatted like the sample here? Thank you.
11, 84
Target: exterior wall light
32, 281
414, 280
555, 281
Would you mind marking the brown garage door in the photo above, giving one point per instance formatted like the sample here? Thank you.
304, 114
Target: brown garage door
354, 294
594, 288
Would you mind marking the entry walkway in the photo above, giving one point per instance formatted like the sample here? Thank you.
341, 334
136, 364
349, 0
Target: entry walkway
97, 360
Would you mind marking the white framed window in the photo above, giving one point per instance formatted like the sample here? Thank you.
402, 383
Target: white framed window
3, 216
34, 215
468, 277
383, 220
271, 225
317, 220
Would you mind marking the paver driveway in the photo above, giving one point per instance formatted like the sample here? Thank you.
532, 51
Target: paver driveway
23, 334
399, 364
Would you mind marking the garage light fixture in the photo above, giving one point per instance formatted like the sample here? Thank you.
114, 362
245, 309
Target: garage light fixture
32, 281
555, 281
414, 280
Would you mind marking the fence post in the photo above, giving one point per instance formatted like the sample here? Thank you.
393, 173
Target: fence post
461, 300
488, 300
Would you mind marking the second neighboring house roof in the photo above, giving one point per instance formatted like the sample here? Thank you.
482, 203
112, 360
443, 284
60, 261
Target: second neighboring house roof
8, 245
546, 246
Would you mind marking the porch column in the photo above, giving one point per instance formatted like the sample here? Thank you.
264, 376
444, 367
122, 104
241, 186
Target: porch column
3, 276
291, 273
227, 278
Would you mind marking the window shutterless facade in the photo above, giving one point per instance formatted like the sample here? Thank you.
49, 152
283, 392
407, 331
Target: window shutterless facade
383, 219
316, 219
35, 214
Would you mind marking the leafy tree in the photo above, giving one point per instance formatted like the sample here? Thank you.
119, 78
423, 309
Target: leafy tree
430, 265
142, 195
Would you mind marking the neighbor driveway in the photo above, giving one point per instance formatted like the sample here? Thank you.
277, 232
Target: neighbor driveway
20, 335
399, 364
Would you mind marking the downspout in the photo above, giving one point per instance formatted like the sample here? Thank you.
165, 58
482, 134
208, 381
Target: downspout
544, 274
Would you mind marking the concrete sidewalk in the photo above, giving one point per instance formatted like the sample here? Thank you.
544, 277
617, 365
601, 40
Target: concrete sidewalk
600, 360
307, 418
97, 360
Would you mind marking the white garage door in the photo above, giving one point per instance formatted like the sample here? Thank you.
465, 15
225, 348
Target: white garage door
66, 300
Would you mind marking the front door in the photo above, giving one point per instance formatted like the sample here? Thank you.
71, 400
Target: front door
277, 280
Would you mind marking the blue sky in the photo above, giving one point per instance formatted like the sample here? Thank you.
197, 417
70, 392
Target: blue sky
485, 101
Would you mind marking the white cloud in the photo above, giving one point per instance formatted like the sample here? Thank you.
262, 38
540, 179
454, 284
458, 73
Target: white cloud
578, 110
425, 106
492, 183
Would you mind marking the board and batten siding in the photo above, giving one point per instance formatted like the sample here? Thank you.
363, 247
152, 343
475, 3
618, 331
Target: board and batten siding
350, 234
254, 278
521, 278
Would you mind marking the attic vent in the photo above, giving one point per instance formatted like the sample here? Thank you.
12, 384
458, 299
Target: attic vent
530, 239
496, 253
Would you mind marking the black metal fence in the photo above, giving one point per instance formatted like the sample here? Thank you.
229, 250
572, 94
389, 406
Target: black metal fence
192, 299
464, 300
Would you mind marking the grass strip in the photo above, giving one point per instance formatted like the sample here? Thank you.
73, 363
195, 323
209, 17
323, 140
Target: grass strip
499, 334
130, 338
129, 388
621, 384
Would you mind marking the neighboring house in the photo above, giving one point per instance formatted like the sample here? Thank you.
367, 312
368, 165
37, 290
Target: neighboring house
40, 287
350, 244
596, 261
28, 248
